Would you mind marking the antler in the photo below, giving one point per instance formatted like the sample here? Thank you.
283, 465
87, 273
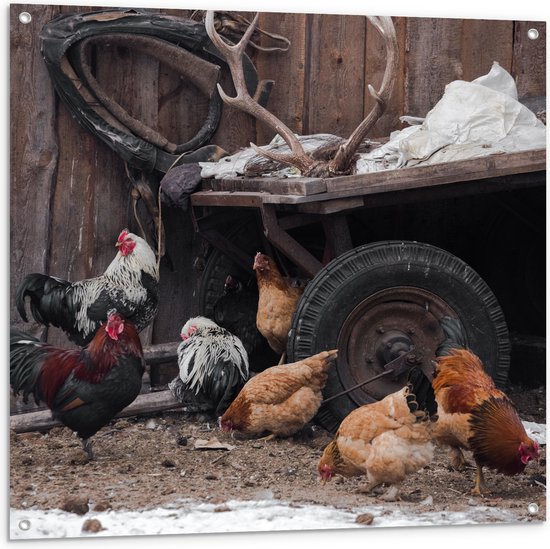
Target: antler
233, 55
343, 157
308, 166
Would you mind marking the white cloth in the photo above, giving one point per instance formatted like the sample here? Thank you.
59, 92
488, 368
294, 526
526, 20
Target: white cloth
472, 119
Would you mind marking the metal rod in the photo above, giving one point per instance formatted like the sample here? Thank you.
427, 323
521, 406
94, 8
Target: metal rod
396, 361
378, 376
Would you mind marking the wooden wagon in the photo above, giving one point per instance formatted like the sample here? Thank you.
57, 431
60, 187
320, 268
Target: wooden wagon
376, 301
315, 227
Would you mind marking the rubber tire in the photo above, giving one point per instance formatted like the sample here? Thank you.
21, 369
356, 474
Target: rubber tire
352, 277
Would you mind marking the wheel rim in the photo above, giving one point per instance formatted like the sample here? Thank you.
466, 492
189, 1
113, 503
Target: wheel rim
382, 327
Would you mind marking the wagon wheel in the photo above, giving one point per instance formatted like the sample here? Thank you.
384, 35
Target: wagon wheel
379, 300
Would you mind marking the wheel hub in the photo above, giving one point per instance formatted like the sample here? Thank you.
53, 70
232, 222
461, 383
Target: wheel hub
382, 327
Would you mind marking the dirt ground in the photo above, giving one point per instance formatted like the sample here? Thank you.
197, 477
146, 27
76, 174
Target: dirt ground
150, 461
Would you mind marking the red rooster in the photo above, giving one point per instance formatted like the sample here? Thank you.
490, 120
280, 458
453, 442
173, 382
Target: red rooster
84, 388
129, 285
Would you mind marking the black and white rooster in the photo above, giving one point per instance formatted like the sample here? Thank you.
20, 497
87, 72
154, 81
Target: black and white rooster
213, 367
129, 285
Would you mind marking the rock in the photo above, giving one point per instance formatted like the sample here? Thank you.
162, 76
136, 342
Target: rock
365, 518
221, 509
79, 457
92, 525
27, 436
212, 444
102, 506
56, 431
76, 504
151, 424
121, 424
428, 501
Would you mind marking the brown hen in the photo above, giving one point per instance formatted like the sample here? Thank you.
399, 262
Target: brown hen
277, 302
281, 400
385, 440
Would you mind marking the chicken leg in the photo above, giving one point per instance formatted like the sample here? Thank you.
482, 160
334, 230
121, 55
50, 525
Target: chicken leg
371, 488
480, 487
457, 458
87, 446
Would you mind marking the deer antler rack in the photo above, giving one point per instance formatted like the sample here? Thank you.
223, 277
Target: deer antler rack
338, 163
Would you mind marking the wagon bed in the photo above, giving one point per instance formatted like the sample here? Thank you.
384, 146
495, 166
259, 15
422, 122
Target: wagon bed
316, 196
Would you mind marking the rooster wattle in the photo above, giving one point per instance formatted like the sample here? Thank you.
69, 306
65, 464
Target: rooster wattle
129, 285
84, 388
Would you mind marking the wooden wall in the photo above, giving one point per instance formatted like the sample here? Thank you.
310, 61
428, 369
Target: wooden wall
70, 195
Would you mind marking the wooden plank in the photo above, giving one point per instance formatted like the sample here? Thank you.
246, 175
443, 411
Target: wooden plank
236, 129
302, 186
332, 206
420, 176
160, 401
529, 64
33, 152
482, 42
374, 72
433, 60
182, 110
226, 198
335, 76
287, 69
91, 203
380, 182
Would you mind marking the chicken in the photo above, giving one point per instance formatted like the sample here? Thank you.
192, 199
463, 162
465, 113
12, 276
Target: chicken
84, 388
129, 285
213, 366
277, 302
235, 311
385, 440
475, 415
281, 400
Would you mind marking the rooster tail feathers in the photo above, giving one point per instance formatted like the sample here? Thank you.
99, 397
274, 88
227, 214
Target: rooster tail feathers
226, 389
497, 432
47, 298
26, 359
455, 337
421, 396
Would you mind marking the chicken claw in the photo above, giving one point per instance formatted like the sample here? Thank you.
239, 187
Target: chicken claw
392, 493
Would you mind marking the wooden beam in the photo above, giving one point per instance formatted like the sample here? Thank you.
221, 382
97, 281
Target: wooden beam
149, 403
162, 352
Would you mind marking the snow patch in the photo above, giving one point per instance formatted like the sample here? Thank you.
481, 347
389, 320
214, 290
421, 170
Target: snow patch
189, 517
